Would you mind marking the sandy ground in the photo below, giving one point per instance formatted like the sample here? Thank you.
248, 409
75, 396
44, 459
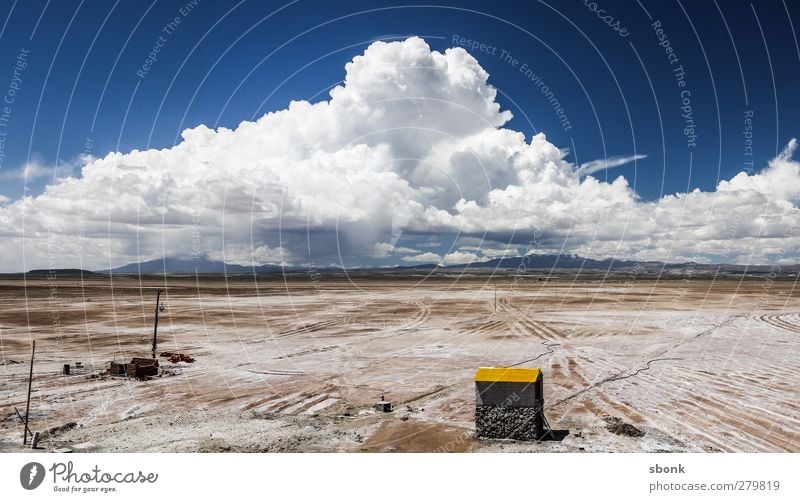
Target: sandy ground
296, 365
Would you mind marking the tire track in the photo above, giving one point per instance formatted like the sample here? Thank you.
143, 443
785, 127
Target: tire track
778, 321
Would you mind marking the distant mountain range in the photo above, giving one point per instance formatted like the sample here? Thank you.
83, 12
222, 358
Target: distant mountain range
549, 261
572, 262
199, 266
531, 262
62, 273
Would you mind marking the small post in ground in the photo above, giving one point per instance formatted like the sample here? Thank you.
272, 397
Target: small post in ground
155, 324
28, 406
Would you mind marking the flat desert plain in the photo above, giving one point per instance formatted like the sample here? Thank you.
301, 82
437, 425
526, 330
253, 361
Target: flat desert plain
297, 364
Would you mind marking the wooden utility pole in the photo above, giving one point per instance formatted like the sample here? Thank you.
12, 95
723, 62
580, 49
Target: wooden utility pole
155, 326
495, 297
28, 406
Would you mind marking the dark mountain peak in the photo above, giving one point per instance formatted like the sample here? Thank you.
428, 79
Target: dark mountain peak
60, 273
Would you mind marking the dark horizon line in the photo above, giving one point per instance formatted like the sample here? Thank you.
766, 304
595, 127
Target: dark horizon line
496, 263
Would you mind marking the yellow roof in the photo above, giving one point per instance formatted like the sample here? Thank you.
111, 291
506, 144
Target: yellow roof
522, 375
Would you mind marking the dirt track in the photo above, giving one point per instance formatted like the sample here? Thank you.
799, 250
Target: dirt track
295, 366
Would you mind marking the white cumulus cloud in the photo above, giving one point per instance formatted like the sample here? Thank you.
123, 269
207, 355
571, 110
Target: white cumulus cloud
460, 258
423, 258
409, 149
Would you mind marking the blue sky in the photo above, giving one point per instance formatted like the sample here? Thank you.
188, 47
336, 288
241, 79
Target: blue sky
226, 62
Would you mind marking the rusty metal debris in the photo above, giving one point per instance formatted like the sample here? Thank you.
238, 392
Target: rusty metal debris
139, 367
176, 357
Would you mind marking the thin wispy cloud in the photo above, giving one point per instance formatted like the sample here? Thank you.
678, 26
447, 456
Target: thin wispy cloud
594, 166
30, 171
36, 169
